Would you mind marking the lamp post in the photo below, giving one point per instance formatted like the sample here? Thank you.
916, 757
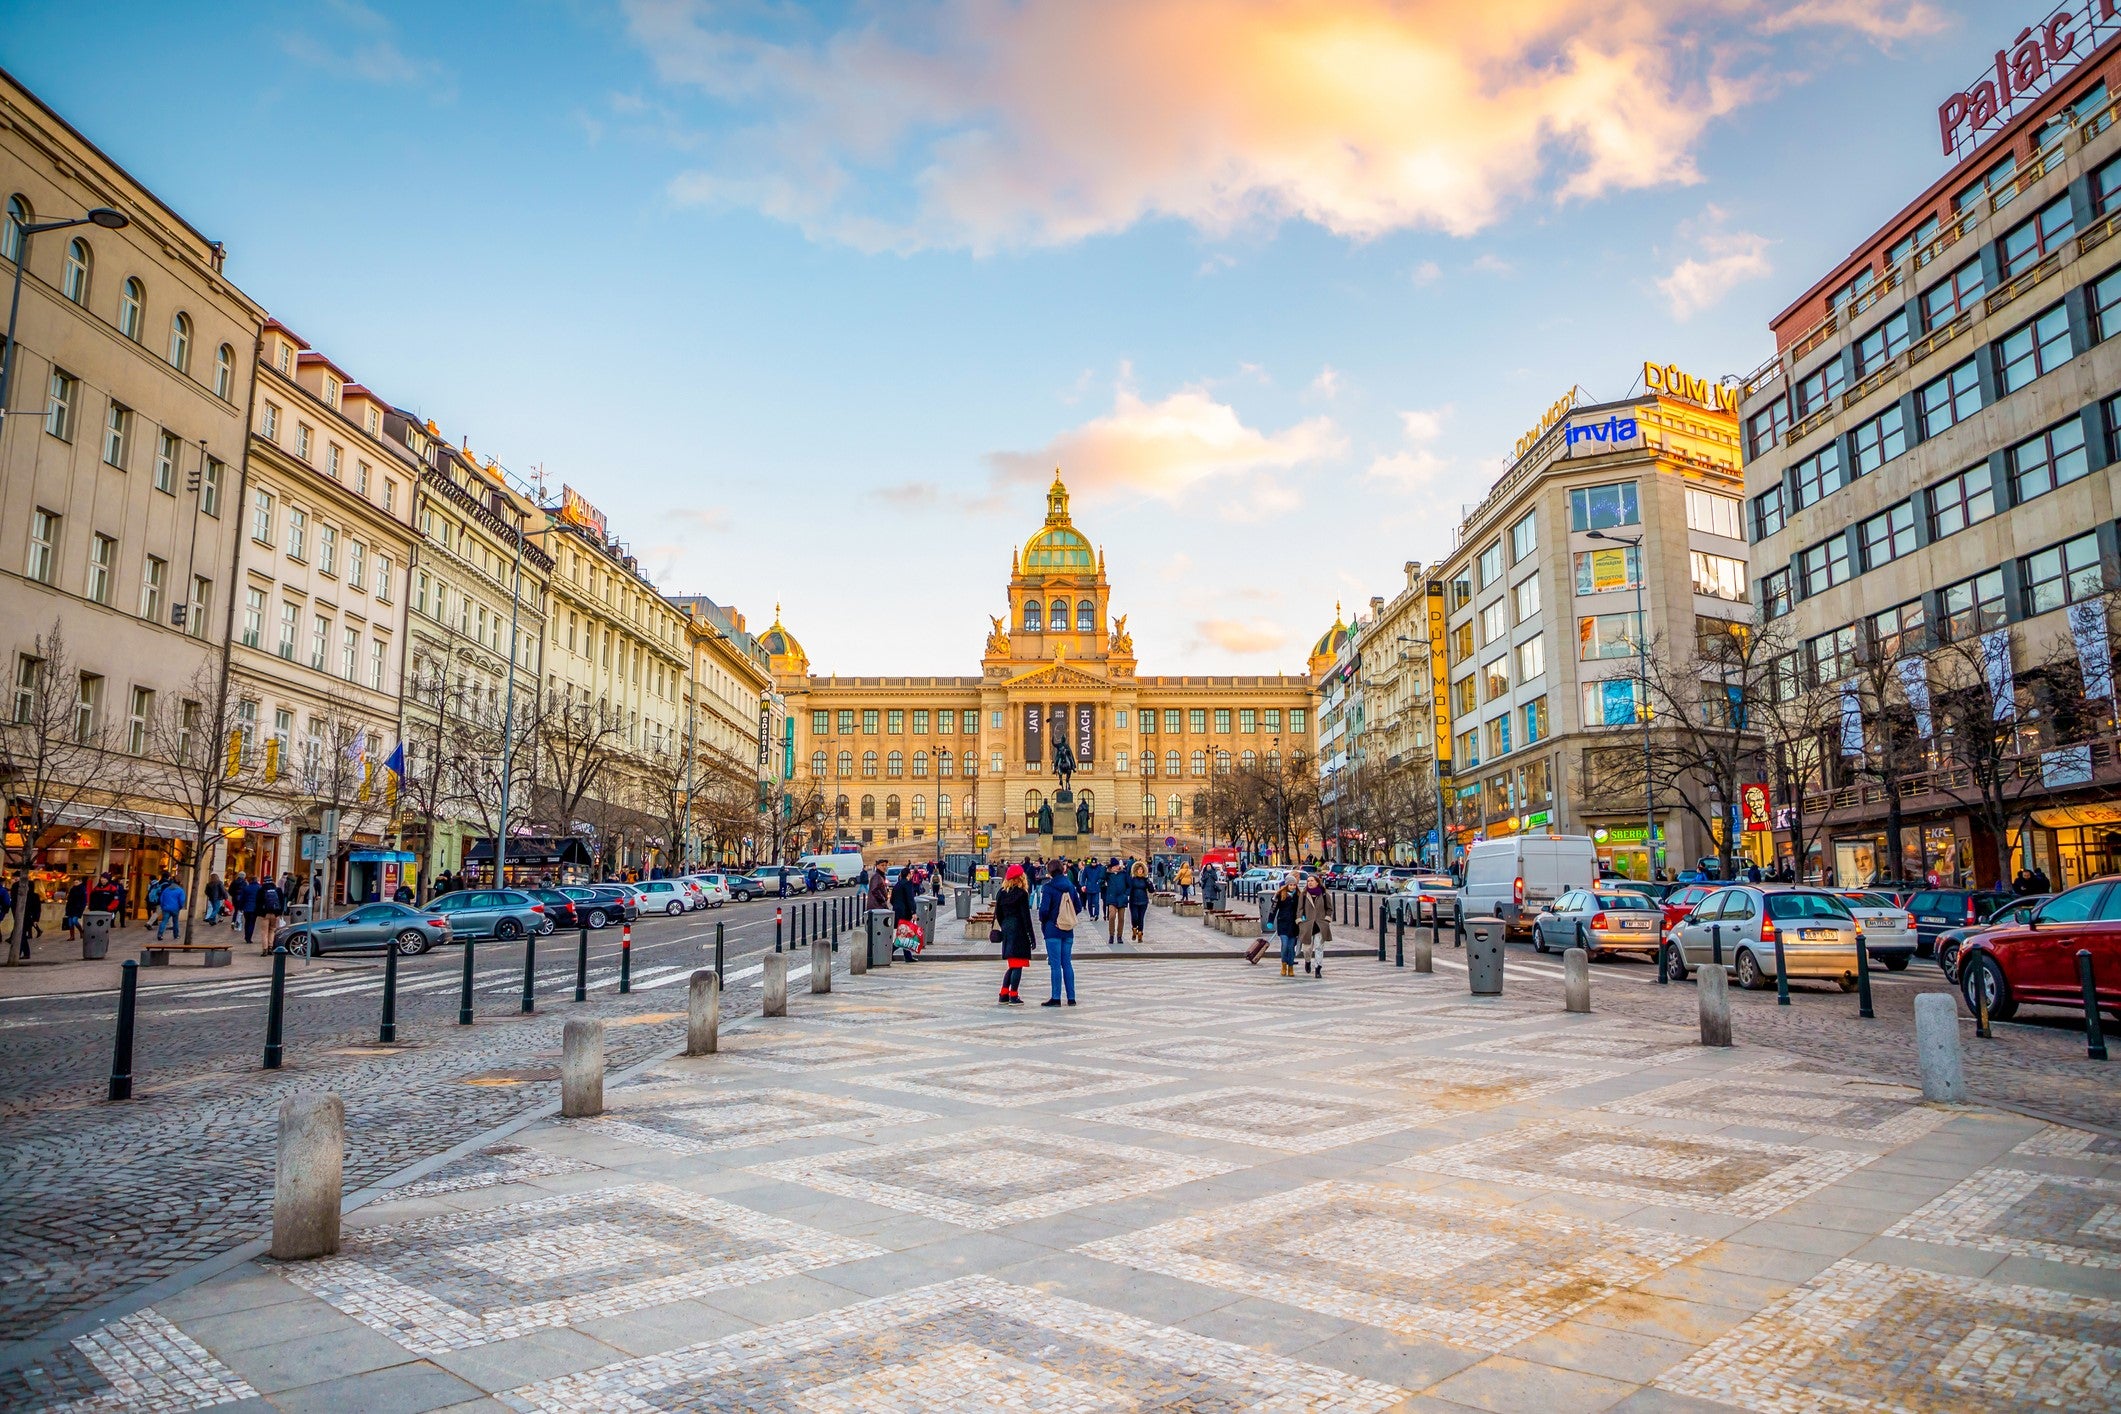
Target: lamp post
508, 714
1642, 706
102, 216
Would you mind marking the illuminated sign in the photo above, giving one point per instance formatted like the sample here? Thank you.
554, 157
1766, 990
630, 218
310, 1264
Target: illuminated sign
2027, 67
1547, 419
765, 733
1439, 678
577, 511
1753, 805
1606, 436
1674, 382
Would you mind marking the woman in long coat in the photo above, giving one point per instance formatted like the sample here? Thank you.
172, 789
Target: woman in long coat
1314, 924
1012, 915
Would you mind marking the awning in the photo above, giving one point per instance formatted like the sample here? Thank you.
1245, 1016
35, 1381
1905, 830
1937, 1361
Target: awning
379, 856
114, 819
532, 851
2060, 817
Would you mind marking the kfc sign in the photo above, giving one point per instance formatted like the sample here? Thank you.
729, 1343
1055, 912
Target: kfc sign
2023, 70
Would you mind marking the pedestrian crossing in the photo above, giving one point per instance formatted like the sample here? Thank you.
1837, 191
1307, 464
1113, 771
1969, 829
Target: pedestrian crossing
487, 981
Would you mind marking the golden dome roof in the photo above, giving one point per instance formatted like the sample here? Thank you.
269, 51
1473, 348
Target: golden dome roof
1333, 639
779, 642
1058, 548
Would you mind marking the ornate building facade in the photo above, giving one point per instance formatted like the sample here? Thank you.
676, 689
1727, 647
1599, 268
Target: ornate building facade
962, 764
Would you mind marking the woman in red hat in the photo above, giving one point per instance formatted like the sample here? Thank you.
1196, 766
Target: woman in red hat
1012, 915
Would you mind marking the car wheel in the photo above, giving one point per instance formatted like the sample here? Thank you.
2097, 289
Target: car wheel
546, 924
412, 942
303, 946
1539, 938
1674, 962
508, 930
1750, 977
1897, 962
674, 909
1583, 940
1985, 978
596, 918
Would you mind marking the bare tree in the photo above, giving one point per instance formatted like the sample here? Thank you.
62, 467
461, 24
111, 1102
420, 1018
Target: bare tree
194, 757
1794, 726
1703, 698
1997, 722
583, 744
56, 761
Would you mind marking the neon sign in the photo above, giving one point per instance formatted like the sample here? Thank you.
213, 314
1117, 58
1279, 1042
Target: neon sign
1613, 432
2024, 69
1547, 419
1674, 381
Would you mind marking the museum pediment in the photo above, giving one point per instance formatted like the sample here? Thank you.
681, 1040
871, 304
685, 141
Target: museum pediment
1057, 675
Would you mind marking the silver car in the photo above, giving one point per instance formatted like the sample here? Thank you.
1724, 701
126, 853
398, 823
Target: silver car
1738, 927
1423, 897
370, 928
1600, 921
1888, 929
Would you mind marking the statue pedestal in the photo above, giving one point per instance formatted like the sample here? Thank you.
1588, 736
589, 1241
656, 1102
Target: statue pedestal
1064, 829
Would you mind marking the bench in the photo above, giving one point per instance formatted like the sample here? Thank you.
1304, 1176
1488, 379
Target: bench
210, 954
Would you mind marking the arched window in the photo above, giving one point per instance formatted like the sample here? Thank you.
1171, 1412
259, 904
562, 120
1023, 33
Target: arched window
970, 809
1148, 807
1200, 764
846, 763
869, 764
1086, 617
180, 342
1032, 620
18, 216
920, 765
920, 807
224, 371
74, 282
1171, 762
1058, 616
1178, 808
817, 763
891, 807
942, 807
896, 765
1148, 763
839, 808
1222, 763
868, 807
132, 308
1248, 760
945, 763
1032, 801
1274, 760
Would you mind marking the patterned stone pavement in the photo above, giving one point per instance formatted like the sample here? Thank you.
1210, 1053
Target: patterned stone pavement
1206, 1188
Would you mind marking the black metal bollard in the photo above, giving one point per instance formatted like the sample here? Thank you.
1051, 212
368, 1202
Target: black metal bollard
718, 956
1782, 970
276, 1008
776, 930
1981, 1026
530, 973
464, 989
1664, 962
1399, 941
121, 1055
581, 966
1435, 925
388, 1031
1458, 924
2094, 1034
625, 958
1380, 938
1863, 985
1716, 943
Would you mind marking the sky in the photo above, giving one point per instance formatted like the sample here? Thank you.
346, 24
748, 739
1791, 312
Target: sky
812, 299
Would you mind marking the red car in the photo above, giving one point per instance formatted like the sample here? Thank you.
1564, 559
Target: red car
2036, 962
1680, 902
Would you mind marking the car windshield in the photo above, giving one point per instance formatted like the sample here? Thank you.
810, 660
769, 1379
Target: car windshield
1622, 901
1808, 906
1870, 901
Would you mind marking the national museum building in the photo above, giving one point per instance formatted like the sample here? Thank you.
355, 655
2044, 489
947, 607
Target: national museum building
942, 760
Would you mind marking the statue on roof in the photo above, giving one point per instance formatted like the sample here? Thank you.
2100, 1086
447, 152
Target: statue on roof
997, 637
1122, 641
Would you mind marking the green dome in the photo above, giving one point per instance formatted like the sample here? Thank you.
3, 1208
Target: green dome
1059, 548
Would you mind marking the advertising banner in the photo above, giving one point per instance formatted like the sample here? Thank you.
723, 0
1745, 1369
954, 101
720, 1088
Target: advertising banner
1753, 807
1034, 733
1609, 570
1085, 733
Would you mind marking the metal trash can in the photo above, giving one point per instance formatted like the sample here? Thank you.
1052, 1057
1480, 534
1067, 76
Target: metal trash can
95, 935
1484, 940
924, 913
879, 937
294, 913
964, 903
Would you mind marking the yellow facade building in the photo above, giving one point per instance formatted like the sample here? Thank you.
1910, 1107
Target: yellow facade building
933, 765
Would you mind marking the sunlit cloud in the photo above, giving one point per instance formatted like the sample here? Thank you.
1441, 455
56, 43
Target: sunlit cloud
1242, 635
706, 520
998, 124
1723, 258
355, 42
1416, 465
1327, 383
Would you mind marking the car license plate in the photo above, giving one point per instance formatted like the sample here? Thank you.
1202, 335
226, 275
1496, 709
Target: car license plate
1818, 935
1635, 925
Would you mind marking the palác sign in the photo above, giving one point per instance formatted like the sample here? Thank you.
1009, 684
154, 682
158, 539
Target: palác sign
2024, 69
1675, 382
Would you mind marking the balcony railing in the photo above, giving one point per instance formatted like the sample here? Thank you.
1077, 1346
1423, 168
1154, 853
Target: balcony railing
1919, 790
1811, 423
1817, 335
1937, 338
2098, 234
2006, 293
1760, 377
1871, 382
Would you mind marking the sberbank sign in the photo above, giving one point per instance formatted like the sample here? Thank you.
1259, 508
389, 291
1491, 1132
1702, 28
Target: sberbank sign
1675, 382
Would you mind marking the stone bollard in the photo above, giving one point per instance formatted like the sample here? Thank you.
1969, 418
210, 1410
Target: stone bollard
1576, 980
858, 953
306, 1177
582, 1070
1715, 997
703, 1014
1937, 1047
1424, 953
820, 965
774, 997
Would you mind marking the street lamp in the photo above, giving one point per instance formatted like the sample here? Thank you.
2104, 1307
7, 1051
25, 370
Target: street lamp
102, 216
1642, 706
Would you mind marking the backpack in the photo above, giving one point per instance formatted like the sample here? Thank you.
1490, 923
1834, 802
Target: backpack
1064, 916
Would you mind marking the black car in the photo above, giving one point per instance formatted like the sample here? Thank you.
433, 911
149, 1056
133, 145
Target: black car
1936, 910
558, 907
602, 906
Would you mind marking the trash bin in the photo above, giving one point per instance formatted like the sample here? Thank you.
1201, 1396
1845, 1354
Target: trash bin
95, 935
294, 913
964, 903
1484, 939
924, 913
879, 937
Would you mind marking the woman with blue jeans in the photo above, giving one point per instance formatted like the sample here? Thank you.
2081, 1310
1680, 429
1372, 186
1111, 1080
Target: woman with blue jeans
1287, 907
1059, 929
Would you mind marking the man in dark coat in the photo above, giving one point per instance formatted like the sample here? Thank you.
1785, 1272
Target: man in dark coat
904, 894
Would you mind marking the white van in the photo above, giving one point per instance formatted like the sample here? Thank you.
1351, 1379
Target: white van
1515, 878
841, 867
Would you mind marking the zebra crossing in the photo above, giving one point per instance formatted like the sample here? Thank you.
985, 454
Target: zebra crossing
493, 981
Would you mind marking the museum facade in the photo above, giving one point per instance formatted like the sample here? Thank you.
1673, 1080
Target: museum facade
938, 765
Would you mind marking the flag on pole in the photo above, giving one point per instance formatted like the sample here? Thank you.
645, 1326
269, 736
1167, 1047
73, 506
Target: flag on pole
396, 764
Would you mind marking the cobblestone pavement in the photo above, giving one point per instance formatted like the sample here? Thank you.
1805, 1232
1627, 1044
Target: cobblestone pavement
1401, 1199
104, 1198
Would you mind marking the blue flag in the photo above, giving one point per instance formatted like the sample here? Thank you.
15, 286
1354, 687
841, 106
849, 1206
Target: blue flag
396, 764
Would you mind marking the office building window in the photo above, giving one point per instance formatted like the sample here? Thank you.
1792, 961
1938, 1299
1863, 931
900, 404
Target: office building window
1764, 429
1718, 576
1914, 240
1607, 636
1973, 606
1882, 345
61, 394
1535, 721
166, 462
1818, 389
1491, 564
1833, 654
2028, 242
1619, 567
1960, 501
1888, 535
253, 617
1494, 620
1524, 536
1526, 598
1950, 399
1942, 301
1611, 702
1602, 507
151, 583
1819, 475
2062, 574
1498, 729
1712, 514
1775, 593
117, 434
1532, 657
1222, 721
1826, 564
1495, 678
1769, 513
43, 545
1465, 696
1877, 441
2049, 459
102, 556
1898, 631
2040, 345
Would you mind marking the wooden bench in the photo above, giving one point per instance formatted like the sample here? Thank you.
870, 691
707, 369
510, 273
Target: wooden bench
210, 954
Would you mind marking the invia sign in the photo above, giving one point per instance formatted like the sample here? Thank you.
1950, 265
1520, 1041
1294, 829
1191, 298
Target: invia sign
2024, 69
1606, 436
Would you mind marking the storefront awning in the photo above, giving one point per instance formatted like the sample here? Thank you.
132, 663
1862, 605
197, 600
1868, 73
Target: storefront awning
118, 820
2062, 817
531, 851
379, 856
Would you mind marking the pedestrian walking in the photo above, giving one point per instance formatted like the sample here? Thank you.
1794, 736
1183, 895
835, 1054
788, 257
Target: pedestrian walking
1093, 886
169, 904
1185, 881
905, 896
216, 895
1314, 925
1287, 909
1114, 886
32, 916
1012, 919
1059, 903
243, 902
271, 902
1138, 898
879, 887
76, 905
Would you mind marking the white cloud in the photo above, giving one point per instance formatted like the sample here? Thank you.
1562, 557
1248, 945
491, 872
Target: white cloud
1427, 273
706, 520
1489, 263
363, 45
1417, 465
1725, 258
997, 124
1327, 383
1242, 635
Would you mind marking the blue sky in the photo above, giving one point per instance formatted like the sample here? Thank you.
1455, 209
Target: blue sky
810, 298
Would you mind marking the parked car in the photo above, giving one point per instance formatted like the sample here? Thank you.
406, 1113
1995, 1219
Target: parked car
1422, 897
667, 896
503, 914
1517, 877
1362, 876
746, 887
714, 888
2035, 962
1622, 884
599, 907
1888, 929
559, 909
1254, 880
1739, 925
1600, 921
1680, 901
370, 928
1949, 941
1938, 909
